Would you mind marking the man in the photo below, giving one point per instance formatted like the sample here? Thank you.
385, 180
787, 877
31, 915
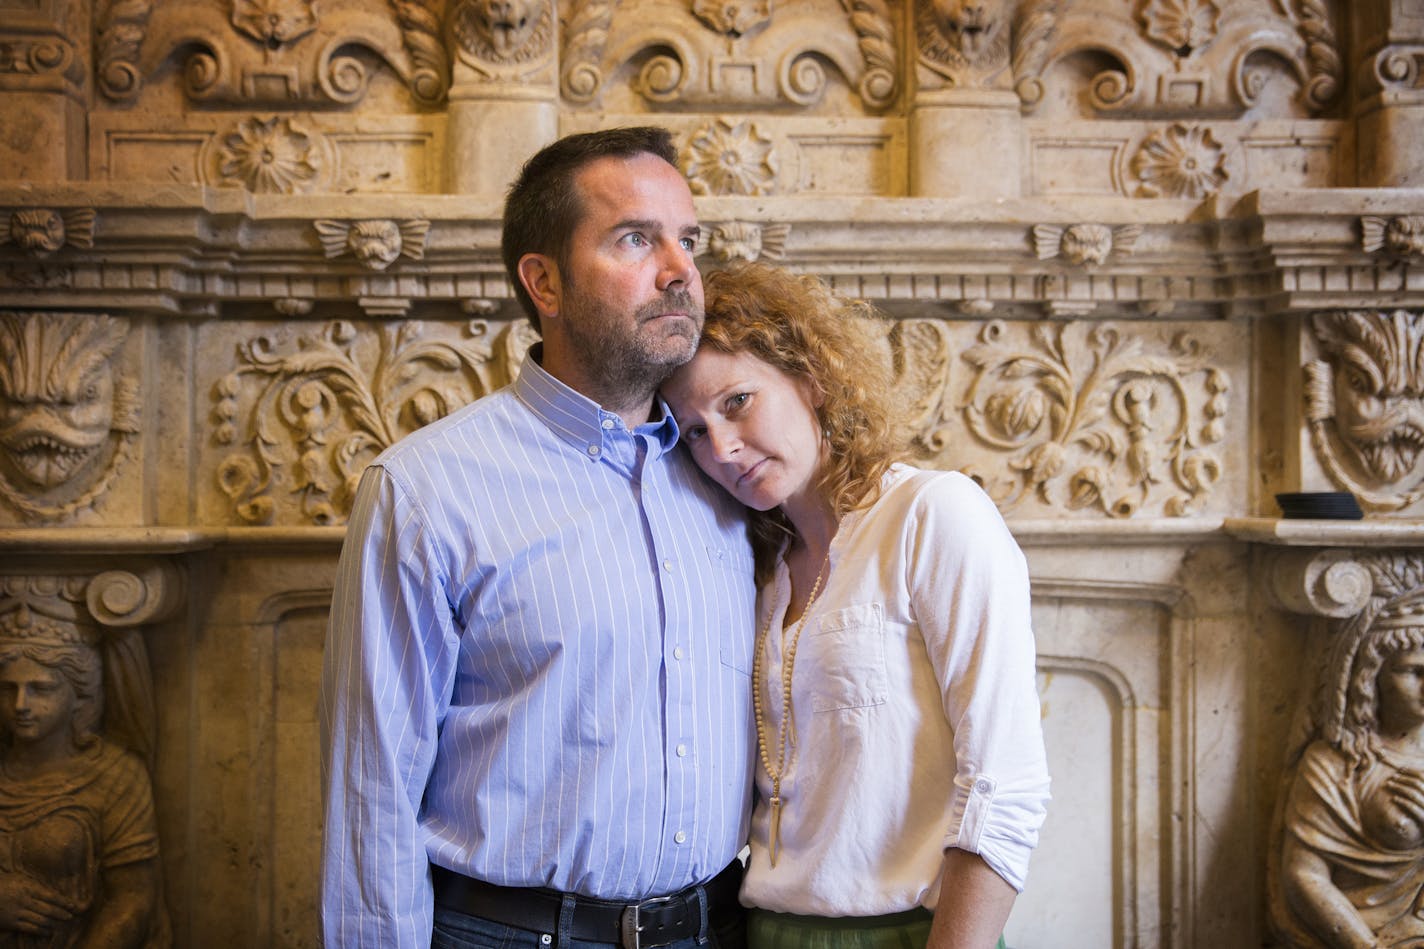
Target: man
536, 701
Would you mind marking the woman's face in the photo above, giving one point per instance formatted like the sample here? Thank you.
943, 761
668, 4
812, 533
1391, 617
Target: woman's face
1401, 690
36, 702
751, 427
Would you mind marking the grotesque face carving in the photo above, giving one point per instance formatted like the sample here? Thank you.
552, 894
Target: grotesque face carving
498, 29
1087, 244
1405, 236
975, 28
375, 243
56, 393
1378, 387
274, 23
736, 240
37, 230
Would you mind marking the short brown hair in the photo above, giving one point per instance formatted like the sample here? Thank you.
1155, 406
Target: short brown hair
543, 209
797, 324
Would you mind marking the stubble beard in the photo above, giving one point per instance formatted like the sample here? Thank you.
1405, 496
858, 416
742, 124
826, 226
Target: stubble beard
624, 369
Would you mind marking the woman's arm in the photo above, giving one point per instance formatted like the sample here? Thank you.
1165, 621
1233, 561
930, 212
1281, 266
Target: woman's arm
1305, 878
125, 910
974, 904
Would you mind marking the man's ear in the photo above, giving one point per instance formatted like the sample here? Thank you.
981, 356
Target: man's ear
540, 276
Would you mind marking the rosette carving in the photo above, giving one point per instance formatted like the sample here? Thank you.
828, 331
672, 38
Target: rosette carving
1365, 404
305, 419
1088, 419
726, 157
1180, 161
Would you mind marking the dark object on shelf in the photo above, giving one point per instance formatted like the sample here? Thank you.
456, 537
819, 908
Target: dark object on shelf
1323, 505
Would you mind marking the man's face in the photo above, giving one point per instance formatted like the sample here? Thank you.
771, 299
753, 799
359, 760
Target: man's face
630, 296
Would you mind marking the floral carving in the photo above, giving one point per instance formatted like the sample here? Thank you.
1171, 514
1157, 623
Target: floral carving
585, 37
731, 158
376, 244
66, 423
419, 22
1180, 161
270, 156
40, 232
503, 31
1090, 420
1401, 236
1180, 25
274, 23
1086, 245
732, 17
743, 240
1365, 403
323, 408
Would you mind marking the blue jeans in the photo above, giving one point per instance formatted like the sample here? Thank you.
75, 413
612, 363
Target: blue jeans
455, 930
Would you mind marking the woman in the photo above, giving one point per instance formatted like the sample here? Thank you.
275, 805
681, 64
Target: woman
901, 756
78, 842
1352, 858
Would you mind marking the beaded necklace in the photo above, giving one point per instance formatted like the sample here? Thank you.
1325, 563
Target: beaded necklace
784, 731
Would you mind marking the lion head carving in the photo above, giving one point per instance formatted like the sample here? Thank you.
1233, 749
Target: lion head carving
501, 31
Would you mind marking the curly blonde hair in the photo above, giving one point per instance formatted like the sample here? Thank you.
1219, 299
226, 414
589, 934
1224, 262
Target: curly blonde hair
799, 325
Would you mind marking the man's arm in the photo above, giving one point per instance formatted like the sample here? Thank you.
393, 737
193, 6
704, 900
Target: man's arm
974, 904
386, 677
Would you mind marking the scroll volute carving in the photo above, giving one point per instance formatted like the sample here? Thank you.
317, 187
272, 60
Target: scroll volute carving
68, 418
79, 858
1365, 404
1347, 865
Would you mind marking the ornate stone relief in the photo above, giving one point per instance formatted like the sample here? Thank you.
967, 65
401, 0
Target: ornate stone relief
1084, 416
718, 54
305, 419
1180, 161
67, 423
744, 240
1365, 404
1347, 867
1397, 68
503, 38
1085, 245
730, 157
995, 45
77, 818
276, 155
40, 232
376, 244
1172, 57
1399, 236
26, 58
270, 52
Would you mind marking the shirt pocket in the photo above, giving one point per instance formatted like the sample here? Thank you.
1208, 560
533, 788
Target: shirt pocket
846, 659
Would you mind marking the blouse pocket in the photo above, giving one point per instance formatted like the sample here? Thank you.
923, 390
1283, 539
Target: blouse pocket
847, 659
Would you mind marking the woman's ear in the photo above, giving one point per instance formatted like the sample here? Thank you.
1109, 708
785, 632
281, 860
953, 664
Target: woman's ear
540, 276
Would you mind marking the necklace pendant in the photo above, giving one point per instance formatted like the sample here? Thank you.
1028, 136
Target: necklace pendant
775, 836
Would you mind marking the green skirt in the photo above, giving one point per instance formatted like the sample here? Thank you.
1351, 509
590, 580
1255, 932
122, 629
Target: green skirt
907, 930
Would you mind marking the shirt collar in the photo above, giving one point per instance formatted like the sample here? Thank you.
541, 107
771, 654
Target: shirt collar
579, 420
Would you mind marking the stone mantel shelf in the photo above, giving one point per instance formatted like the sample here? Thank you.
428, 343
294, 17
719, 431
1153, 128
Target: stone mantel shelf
189, 250
1038, 532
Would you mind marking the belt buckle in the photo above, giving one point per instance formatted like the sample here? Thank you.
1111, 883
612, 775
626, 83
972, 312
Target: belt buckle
630, 925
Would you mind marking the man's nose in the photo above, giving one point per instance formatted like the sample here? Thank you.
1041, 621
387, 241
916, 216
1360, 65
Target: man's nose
675, 265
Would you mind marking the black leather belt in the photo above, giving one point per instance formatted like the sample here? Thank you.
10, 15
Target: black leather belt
651, 922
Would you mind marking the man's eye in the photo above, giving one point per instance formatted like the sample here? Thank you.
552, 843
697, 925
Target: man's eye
636, 240
688, 243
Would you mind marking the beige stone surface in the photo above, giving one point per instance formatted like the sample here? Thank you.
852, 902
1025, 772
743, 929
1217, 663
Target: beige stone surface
1147, 265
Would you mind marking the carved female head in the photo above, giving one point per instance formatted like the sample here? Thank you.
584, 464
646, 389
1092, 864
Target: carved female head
44, 681
1378, 660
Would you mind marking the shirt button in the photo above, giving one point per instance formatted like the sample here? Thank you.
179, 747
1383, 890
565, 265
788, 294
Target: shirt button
667, 565
594, 451
677, 652
680, 837
983, 786
682, 751
608, 424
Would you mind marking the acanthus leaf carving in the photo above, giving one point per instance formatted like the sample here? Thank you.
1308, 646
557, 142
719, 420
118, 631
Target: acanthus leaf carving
374, 243
1365, 404
67, 422
1087, 419
419, 22
320, 410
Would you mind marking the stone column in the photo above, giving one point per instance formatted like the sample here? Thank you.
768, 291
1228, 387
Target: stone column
42, 125
504, 93
1389, 108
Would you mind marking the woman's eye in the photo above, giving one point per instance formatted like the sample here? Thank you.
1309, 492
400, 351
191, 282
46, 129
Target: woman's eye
738, 400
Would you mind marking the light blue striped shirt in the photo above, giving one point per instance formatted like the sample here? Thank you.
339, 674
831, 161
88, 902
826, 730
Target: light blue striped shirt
537, 665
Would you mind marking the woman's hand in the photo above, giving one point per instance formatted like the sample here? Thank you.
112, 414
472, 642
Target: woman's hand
28, 906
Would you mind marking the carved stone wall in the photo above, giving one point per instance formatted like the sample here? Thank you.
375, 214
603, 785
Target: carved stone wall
1150, 262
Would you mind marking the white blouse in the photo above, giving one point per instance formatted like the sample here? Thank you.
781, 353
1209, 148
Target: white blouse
915, 709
